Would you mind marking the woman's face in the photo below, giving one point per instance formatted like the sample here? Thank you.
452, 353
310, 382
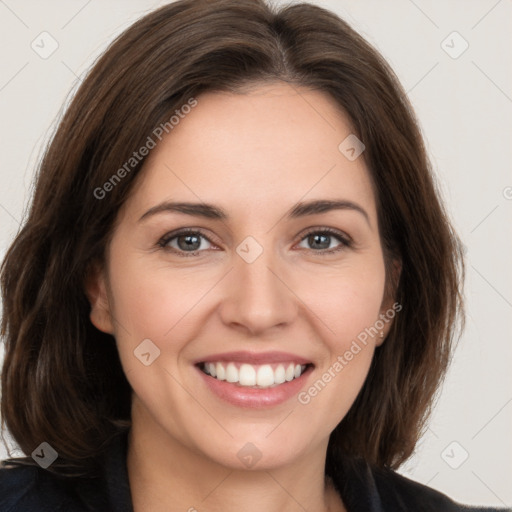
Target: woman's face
257, 289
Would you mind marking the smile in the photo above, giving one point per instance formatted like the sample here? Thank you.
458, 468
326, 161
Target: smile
254, 376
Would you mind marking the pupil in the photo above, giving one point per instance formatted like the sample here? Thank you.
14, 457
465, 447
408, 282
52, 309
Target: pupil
189, 244
192, 241
316, 238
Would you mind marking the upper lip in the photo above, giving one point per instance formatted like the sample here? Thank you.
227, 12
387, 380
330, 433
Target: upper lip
254, 358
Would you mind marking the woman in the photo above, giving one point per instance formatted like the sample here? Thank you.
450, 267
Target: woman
236, 288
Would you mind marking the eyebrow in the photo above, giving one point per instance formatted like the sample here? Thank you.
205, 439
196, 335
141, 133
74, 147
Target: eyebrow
210, 211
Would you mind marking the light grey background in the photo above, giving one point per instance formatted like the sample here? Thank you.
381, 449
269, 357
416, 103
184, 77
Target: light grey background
465, 108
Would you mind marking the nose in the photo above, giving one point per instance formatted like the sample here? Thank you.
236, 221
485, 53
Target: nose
258, 296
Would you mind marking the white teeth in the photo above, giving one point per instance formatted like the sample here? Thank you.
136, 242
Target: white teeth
265, 376
220, 371
290, 372
231, 373
280, 374
248, 375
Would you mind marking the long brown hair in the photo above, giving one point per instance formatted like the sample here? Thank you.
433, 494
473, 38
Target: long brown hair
62, 381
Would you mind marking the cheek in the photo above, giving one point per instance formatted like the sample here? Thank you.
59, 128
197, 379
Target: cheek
346, 301
163, 305
347, 304
348, 309
154, 304
151, 302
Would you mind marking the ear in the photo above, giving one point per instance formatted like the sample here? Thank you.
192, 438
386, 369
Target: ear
95, 286
390, 307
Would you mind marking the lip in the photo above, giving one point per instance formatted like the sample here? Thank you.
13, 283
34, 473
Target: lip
253, 398
254, 358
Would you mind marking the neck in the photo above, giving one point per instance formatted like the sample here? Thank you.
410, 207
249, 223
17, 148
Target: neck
165, 475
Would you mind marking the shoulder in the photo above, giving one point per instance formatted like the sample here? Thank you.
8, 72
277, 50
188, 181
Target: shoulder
34, 489
398, 492
363, 486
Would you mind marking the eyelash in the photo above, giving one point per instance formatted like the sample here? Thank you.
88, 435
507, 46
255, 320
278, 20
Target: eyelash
345, 241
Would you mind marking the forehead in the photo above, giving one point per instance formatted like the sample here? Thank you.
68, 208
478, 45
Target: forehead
266, 148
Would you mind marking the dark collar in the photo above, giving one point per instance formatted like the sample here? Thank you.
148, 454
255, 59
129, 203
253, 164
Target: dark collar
116, 475
354, 482
363, 488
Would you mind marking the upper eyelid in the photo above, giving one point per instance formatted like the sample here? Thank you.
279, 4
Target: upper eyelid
342, 236
331, 231
184, 231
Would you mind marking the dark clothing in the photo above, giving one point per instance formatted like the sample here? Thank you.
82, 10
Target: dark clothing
362, 488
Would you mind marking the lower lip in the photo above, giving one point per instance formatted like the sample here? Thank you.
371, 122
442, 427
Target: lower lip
255, 398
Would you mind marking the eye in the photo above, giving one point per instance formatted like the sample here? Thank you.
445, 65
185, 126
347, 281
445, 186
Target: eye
320, 240
187, 242
190, 242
